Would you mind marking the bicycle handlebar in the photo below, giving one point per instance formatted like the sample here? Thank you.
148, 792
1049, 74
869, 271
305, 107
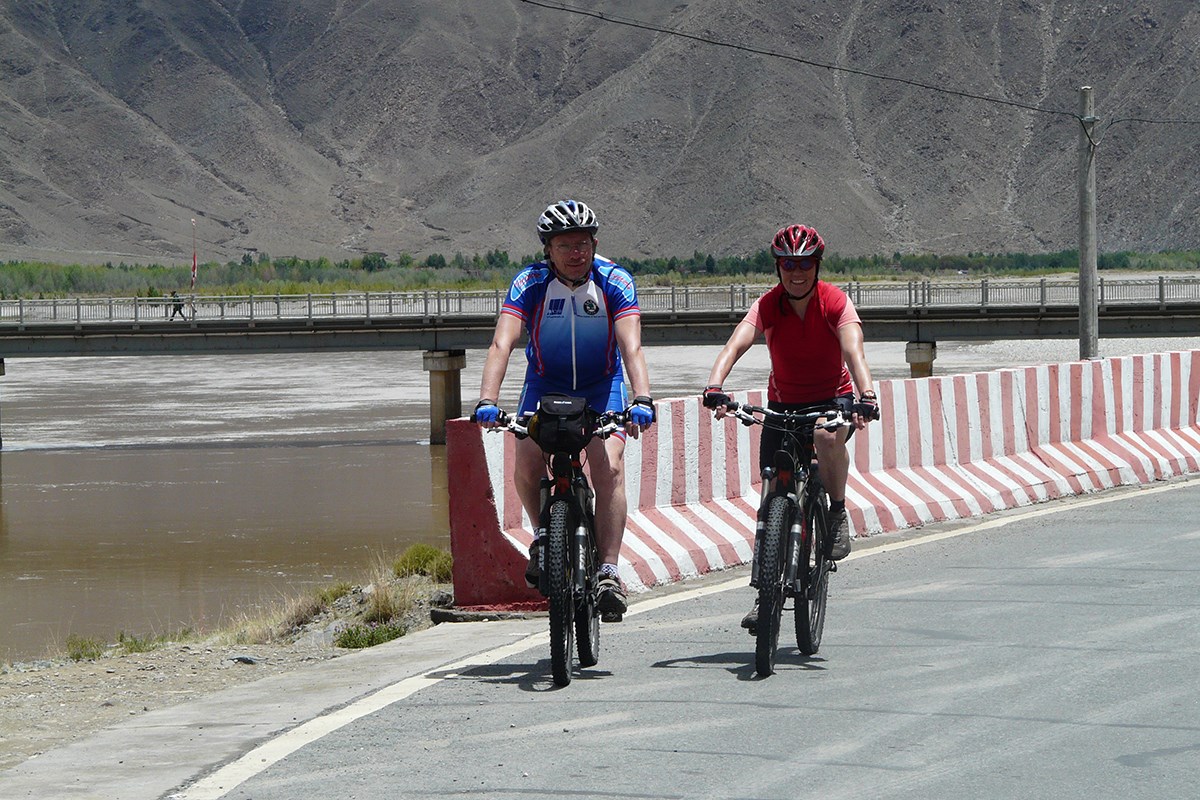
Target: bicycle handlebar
835, 418
607, 424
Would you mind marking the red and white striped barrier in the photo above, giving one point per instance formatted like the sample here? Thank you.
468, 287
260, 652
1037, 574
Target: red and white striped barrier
948, 447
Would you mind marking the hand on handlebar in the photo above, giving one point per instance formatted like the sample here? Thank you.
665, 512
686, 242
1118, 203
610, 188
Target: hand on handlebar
717, 400
640, 415
865, 410
487, 414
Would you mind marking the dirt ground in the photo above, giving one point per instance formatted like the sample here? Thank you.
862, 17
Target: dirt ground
47, 704
50, 703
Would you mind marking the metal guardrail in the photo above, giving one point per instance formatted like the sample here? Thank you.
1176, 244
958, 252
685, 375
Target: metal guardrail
670, 300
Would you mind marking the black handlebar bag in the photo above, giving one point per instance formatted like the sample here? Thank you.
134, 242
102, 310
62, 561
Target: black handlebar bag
562, 424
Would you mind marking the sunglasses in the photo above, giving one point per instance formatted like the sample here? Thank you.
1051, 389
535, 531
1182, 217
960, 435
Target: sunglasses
789, 264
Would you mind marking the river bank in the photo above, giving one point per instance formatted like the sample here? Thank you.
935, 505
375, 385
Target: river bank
47, 703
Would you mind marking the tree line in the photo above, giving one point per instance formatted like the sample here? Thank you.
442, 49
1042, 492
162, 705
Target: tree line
378, 272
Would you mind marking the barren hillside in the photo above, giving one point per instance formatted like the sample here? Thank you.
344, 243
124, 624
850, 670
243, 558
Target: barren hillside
336, 127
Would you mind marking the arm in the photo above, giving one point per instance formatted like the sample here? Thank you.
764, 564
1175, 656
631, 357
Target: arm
508, 332
629, 339
851, 338
628, 331
740, 341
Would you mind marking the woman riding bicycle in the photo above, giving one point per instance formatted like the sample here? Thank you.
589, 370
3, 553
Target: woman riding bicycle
815, 340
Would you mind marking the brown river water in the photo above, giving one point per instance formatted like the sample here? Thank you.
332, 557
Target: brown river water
150, 494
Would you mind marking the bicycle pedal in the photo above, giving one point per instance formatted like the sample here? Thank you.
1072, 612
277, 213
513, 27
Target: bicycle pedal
833, 566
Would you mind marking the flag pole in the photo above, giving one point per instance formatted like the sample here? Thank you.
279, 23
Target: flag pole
193, 255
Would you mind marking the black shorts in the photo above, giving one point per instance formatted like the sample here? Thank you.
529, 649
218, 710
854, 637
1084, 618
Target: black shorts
772, 438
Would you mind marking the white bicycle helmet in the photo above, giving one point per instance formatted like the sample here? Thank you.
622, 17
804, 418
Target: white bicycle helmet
566, 216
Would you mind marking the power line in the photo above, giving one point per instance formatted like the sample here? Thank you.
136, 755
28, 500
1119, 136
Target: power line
646, 26
1155, 121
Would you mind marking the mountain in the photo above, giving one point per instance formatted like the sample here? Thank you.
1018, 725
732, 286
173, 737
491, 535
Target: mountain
339, 127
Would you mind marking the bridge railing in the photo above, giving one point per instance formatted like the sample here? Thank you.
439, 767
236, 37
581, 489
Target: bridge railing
438, 304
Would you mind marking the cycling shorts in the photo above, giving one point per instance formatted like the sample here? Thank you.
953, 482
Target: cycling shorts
772, 438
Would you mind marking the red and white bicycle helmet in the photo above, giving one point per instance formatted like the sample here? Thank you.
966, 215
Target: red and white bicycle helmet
797, 241
566, 216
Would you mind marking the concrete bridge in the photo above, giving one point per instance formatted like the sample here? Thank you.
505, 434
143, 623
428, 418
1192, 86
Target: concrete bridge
444, 324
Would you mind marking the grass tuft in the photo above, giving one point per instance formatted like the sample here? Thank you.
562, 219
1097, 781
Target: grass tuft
331, 594
80, 648
423, 559
129, 643
357, 637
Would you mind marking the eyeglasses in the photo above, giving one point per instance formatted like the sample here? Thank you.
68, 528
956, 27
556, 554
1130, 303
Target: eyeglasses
789, 264
564, 247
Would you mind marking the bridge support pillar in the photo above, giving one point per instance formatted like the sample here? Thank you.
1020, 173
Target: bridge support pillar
445, 389
920, 356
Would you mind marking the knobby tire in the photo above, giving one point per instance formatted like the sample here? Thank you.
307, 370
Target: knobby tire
562, 605
770, 585
814, 593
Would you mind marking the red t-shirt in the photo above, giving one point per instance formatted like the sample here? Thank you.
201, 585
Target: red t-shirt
806, 356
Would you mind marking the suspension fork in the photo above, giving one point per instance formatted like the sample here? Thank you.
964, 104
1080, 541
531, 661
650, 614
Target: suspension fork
585, 530
796, 578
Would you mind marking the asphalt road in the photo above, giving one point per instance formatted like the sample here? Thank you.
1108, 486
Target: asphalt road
1045, 653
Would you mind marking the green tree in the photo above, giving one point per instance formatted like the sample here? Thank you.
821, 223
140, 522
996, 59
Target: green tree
373, 262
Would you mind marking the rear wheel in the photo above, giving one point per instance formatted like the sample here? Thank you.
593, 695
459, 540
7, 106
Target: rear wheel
587, 612
562, 606
770, 586
814, 564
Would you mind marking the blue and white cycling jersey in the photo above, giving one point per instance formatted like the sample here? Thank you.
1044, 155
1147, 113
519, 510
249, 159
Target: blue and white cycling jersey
572, 332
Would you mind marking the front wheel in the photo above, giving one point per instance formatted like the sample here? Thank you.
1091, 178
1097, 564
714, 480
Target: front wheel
770, 585
814, 568
561, 590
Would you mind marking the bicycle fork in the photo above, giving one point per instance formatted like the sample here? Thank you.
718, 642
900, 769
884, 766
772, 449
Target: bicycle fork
582, 543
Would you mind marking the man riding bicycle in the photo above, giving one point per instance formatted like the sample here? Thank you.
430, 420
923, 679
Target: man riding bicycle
583, 320
815, 340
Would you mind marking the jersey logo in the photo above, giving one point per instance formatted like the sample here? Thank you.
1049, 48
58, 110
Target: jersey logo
590, 307
555, 308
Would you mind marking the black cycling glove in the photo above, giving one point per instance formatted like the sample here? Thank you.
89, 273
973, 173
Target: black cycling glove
714, 397
867, 406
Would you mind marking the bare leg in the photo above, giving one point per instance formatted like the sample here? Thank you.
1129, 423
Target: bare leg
529, 470
606, 463
833, 461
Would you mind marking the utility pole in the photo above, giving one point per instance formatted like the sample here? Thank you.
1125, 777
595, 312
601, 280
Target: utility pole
1089, 329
